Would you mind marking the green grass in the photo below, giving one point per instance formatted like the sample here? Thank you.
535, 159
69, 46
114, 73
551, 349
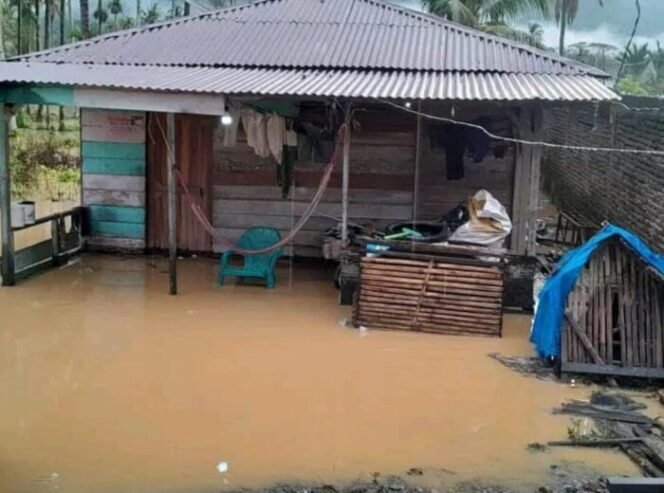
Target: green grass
44, 161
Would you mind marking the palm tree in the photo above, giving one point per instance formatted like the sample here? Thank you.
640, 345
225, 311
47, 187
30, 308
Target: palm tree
85, 19
636, 58
565, 12
151, 15
101, 16
115, 8
476, 13
126, 23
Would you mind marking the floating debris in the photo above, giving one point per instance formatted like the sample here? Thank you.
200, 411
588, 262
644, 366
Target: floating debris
535, 367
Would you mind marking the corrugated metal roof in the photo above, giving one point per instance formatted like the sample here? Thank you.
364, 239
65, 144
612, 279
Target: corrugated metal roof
360, 34
316, 83
349, 48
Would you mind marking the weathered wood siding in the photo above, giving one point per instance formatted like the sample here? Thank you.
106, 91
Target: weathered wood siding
437, 194
193, 141
382, 158
113, 168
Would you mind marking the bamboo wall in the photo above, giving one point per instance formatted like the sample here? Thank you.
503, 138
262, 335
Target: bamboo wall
615, 317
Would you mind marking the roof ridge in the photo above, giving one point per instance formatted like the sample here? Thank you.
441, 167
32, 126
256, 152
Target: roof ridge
434, 19
420, 20
137, 30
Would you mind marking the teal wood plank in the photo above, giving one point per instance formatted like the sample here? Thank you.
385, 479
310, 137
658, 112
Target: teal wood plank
106, 166
112, 150
27, 94
118, 230
117, 214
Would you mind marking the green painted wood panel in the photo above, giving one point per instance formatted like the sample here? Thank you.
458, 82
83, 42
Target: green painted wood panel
112, 150
118, 230
117, 213
27, 94
107, 166
33, 254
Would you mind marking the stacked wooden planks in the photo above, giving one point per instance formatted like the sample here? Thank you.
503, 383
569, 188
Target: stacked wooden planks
432, 295
615, 317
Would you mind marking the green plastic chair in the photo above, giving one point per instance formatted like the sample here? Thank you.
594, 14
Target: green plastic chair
262, 266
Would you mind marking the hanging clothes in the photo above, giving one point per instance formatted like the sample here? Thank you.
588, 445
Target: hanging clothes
290, 155
451, 139
230, 131
276, 135
255, 128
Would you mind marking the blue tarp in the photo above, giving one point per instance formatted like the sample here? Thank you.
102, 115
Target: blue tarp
552, 299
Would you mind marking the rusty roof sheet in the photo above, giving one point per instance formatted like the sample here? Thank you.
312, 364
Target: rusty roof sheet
316, 82
331, 34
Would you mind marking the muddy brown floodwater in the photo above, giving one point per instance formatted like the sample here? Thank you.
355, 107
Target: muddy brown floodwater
111, 385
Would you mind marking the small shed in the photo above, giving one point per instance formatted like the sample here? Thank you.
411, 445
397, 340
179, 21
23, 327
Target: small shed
165, 86
607, 297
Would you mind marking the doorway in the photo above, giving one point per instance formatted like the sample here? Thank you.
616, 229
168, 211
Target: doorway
194, 136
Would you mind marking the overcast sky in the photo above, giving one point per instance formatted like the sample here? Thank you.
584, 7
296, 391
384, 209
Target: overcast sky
611, 24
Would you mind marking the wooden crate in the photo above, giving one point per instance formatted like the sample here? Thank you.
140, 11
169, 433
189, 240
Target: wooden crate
430, 294
614, 323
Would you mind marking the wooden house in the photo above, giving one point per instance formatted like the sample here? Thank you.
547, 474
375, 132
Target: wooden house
165, 86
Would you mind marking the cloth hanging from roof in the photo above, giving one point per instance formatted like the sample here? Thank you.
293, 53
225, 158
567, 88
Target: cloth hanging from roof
457, 141
230, 131
553, 297
254, 125
276, 135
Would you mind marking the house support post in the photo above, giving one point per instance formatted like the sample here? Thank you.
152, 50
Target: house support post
526, 182
172, 204
416, 171
345, 176
8, 267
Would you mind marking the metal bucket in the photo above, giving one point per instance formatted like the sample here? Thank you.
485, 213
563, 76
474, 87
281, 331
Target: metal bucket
18, 216
29, 213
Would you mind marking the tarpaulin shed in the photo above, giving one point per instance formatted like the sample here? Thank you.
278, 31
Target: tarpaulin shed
602, 310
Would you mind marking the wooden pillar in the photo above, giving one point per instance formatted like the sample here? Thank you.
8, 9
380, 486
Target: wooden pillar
526, 182
416, 171
172, 205
8, 267
345, 174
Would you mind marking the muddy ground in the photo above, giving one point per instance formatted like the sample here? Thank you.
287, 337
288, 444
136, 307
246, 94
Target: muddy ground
563, 480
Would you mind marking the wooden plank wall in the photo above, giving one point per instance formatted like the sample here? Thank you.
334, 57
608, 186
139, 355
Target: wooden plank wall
437, 194
381, 182
113, 168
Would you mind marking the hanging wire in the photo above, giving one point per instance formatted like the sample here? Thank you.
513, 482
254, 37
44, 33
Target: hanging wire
521, 141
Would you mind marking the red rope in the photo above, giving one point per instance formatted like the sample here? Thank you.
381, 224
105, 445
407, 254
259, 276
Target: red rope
228, 245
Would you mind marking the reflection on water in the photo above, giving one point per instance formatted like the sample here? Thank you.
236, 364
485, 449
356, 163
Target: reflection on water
111, 385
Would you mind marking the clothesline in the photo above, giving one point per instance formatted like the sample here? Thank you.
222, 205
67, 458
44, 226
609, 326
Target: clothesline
522, 141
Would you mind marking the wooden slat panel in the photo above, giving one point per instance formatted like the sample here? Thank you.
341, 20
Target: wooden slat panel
283, 208
116, 244
112, 150
113, 126
113, 197
429, 295
124, 183
108, 166
118, 229
117, 213
248, 192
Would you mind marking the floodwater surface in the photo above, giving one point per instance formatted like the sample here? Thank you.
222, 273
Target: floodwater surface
111, 385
